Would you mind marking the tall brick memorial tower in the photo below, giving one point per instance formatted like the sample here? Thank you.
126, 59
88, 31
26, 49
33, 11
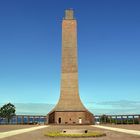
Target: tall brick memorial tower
69, 109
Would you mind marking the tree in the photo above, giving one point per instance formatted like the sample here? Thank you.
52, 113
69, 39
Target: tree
7, 111
104, 118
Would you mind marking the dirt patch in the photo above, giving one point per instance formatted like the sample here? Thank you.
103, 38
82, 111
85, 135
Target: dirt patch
4, 128
126, 126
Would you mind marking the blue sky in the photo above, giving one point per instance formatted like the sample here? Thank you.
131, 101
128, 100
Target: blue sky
108, 53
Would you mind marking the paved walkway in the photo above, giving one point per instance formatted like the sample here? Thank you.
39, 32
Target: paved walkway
19, 131
133, 132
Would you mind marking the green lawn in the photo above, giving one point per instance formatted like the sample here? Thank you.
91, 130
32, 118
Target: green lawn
60, 134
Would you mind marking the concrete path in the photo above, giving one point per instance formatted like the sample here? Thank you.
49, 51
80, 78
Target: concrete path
19, 131
133, 132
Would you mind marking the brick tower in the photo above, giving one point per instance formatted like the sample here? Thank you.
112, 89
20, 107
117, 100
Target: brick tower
69, 109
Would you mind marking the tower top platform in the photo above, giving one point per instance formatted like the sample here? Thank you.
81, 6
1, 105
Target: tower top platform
69, 14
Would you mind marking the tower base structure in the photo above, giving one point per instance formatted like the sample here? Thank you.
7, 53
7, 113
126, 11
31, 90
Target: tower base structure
70, 117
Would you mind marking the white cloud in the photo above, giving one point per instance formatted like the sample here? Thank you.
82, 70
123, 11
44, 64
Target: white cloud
106, 107
33, 108
114, 107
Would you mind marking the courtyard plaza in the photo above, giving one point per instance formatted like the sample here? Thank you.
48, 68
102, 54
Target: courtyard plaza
36, 132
